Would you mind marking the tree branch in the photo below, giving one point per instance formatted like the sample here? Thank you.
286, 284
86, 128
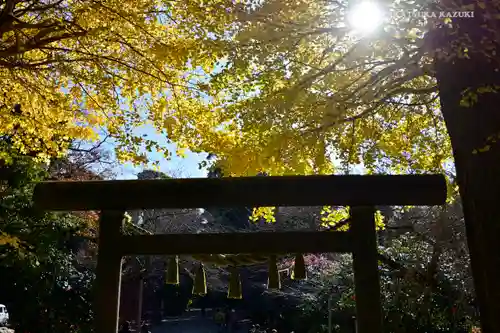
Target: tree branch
35, 43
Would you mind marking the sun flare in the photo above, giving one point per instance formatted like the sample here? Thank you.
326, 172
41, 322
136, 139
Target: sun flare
365, 17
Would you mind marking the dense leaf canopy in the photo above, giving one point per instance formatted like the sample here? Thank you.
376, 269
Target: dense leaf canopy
72, 69
305, 90
285, 87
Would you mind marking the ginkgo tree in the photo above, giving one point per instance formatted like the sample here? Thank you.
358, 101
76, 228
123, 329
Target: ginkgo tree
298, 89
72, 69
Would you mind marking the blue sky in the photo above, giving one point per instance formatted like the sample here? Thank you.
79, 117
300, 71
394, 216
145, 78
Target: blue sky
179, 167
186, 167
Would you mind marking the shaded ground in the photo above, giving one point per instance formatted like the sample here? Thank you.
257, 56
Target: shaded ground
186, 325
193, 322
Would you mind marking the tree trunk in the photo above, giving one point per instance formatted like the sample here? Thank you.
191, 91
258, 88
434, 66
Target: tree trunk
478, 175
140, 292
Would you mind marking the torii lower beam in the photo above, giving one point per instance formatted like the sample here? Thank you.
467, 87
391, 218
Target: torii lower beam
234, 243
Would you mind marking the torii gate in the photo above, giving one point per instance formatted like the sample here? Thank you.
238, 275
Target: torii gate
361, 193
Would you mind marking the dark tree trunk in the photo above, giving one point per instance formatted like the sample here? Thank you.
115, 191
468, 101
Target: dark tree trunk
478, 175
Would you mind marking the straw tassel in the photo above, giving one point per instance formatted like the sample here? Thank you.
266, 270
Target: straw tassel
273, 281
234, 290
299, 268
173, 271
200, 281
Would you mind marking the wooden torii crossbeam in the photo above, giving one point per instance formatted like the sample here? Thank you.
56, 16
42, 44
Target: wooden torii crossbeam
361, 193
